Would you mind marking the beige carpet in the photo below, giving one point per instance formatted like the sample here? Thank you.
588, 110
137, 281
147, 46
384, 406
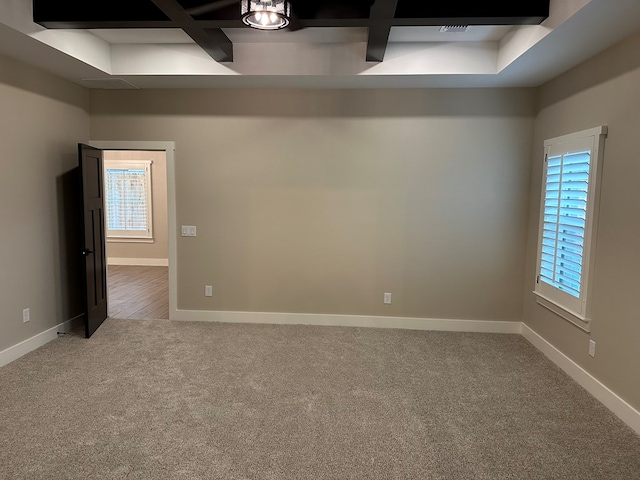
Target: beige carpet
169, 400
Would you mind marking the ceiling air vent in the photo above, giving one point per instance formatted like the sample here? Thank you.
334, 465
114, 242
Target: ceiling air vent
454, 28
108, 84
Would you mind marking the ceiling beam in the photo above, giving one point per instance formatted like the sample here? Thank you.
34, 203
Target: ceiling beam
103, 24
467, 20
211, 40
472, 9
204, 24
304, 22
381, 20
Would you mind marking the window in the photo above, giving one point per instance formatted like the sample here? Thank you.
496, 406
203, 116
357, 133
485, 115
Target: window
568, 223
128, 200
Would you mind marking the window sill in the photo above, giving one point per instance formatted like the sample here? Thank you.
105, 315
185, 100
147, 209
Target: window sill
129, 240
579, 321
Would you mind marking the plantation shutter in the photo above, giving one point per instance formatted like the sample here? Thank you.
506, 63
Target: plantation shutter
568, 218
565, 217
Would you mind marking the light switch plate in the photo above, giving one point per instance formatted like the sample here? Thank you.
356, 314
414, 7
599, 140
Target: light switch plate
188, 231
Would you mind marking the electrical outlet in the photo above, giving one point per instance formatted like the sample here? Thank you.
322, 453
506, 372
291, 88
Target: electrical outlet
592, 348
387, 298
26, 315
208, 291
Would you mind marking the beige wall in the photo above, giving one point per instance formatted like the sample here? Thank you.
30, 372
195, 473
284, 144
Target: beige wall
160, 246
321, 201
42, 119
602, 91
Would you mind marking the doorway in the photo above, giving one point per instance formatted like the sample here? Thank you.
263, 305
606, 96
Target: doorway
140, 270
135, 183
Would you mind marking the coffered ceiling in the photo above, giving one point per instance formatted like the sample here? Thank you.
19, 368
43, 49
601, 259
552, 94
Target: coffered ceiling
204, 20
329, 44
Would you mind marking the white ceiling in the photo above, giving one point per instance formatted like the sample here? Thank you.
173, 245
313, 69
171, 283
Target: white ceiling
484, 56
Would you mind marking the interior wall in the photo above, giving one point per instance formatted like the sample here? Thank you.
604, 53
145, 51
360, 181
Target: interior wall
601, 91
159, 249
42, 119
319, 201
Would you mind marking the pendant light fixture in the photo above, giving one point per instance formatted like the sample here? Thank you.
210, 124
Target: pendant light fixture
266, 14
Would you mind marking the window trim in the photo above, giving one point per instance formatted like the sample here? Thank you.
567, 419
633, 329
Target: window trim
122, 236
580, 317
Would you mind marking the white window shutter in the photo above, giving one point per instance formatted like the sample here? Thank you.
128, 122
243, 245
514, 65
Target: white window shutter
568, 221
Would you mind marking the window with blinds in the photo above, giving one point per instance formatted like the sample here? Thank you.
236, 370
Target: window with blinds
565, 220
128, 199
568, 222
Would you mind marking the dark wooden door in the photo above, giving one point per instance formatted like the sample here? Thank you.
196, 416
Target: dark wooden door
94, 251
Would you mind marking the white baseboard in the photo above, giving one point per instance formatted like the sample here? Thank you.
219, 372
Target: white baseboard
608, 398
140, 262
13, 353
449, 325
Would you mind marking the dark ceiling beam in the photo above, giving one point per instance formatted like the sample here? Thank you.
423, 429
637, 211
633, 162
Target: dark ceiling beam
439, 21
101, 24
472, 8
306, 22
205, 24
381, 20
211, 40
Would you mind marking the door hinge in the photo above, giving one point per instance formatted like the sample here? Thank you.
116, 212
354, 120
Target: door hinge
546, 156
538, 279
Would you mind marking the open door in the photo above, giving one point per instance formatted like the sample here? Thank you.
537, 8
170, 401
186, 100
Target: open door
94, 251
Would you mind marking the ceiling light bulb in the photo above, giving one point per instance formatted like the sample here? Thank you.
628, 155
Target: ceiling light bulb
266, 14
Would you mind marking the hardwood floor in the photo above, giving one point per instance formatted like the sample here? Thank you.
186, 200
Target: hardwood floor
138, 292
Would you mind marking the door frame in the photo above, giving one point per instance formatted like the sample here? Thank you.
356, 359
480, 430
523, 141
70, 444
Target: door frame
169, 147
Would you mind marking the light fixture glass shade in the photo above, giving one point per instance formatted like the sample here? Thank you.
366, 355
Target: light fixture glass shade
266, 14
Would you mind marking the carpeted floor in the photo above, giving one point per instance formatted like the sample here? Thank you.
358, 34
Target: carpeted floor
171, 400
